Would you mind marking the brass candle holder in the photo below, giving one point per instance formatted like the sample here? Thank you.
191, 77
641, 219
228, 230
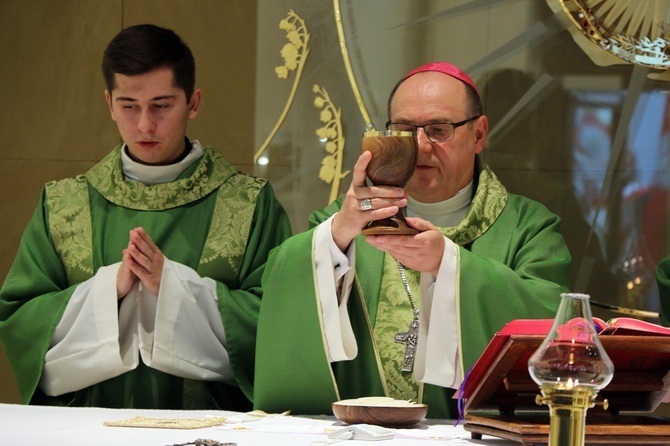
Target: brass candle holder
394, 157
570, 366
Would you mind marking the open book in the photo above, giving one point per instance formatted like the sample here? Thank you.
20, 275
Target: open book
629, 326
618, 326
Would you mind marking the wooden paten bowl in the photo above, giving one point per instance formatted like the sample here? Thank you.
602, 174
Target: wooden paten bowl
357, 411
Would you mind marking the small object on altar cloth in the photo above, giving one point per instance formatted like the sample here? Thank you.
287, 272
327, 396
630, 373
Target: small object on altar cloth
168, 423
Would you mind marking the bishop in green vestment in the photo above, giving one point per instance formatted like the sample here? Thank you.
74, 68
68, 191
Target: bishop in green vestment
339, 308
137, 284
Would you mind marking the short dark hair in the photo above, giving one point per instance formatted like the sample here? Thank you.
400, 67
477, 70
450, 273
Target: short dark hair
473, 101
140, 49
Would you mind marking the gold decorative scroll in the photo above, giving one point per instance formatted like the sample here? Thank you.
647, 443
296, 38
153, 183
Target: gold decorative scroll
633, 31
331, 133
347, 66
295, 54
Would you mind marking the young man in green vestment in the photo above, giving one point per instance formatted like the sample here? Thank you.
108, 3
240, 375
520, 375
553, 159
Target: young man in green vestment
340, 311
137, 284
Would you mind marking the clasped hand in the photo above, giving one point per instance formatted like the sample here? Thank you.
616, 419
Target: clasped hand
143, 261
421, 252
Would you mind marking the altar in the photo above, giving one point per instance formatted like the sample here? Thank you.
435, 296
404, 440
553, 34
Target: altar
77, 426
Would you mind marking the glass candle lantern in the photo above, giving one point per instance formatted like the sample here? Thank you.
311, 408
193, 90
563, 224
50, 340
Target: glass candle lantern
570, 366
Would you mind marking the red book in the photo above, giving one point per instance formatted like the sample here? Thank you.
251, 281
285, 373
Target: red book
617, 326
515, 327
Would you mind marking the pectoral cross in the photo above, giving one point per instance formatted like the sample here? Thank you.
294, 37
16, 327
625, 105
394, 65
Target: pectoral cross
409, 338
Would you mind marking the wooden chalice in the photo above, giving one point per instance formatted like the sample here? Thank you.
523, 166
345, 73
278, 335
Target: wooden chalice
394, 157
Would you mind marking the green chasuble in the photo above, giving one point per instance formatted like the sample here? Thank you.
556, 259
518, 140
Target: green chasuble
663, 280
212, 218
513, 264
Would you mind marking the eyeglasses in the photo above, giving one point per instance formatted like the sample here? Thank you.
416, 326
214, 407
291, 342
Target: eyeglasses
436, 131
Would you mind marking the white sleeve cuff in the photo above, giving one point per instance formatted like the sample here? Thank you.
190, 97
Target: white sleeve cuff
337, 329
87, 346
438, 361
181, 331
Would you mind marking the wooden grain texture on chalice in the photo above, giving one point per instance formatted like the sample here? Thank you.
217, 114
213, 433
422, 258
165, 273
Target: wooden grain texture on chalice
394, 157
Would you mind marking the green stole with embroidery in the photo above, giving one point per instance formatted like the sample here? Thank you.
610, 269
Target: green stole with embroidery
395, 312
70, 215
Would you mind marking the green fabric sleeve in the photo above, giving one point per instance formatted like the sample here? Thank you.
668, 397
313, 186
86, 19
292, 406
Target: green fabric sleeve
292, 367
240, 303
517, 270
35, 289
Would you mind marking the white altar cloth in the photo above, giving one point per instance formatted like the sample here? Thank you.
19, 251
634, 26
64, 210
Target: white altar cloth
74, 426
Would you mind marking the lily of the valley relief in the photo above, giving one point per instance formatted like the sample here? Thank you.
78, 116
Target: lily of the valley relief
295, 54
331, 133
